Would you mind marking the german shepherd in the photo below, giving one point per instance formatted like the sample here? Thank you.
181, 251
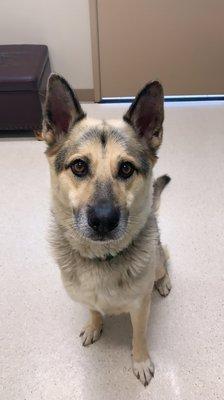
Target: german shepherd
105, 237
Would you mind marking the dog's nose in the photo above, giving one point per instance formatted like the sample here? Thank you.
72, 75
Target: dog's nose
103, 217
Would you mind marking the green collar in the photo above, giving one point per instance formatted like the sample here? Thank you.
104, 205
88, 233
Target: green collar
107, 257
110, 257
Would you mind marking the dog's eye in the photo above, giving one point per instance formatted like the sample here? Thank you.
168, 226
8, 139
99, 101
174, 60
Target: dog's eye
126, 169
79, 168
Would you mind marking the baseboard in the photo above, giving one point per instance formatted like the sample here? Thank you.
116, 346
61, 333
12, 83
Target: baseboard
85, 94
173, 98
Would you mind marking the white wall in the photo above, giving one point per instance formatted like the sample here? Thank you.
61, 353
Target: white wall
62, 25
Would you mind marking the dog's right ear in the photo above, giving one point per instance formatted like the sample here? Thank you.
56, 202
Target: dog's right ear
62, 109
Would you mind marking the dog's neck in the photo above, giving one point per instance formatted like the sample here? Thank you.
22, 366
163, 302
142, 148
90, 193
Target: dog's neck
110, 255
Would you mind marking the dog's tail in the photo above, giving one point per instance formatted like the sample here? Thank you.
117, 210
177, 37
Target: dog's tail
158, 186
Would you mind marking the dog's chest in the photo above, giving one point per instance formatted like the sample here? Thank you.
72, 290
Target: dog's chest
109, 292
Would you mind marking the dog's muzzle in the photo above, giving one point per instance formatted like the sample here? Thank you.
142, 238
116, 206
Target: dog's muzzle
103, 217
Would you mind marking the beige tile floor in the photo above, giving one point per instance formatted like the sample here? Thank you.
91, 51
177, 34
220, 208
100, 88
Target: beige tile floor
41, 356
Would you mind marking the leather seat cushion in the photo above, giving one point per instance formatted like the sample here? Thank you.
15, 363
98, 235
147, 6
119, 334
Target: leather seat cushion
22, 66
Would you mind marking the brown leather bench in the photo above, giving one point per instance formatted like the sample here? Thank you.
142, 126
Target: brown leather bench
24, 70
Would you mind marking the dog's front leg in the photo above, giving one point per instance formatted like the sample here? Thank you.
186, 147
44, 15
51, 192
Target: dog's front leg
143, 367
91, 332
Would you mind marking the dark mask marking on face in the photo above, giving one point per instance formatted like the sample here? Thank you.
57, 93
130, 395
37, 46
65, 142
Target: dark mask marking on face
91, 135
103, 139
103, 190
143, 160
60, 160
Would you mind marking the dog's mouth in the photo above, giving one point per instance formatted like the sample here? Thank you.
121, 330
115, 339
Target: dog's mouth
105, 239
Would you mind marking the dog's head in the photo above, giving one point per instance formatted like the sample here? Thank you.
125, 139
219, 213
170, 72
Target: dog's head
102, 170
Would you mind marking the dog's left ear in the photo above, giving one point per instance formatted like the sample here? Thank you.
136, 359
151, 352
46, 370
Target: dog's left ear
62, 109
146, 114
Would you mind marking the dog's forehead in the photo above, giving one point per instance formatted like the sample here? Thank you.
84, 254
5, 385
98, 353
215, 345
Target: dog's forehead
92, 130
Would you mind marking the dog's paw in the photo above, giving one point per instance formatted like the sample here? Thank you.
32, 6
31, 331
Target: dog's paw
90, 334
143, 370
163, 285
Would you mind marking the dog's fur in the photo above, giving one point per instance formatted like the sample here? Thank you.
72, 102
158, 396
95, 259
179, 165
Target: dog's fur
114, 273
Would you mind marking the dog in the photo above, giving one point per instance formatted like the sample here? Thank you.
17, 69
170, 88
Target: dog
105, 237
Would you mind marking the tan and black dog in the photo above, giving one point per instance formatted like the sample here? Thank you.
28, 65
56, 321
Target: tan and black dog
105, 237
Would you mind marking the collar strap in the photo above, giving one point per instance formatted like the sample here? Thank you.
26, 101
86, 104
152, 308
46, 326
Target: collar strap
107, 257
